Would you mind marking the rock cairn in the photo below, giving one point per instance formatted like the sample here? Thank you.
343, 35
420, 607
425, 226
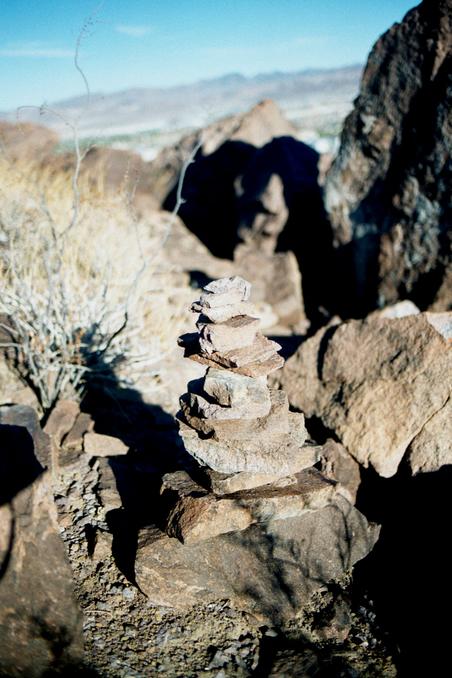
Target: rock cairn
254, 465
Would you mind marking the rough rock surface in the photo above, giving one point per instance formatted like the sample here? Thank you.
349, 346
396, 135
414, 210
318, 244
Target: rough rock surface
269, 571
375, 383
195, 518
285, 453
388, 191
431, 449
40, 623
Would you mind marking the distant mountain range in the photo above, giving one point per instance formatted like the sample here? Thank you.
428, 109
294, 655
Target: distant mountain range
307, 97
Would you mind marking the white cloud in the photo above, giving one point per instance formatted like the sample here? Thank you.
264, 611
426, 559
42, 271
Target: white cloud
35, 50
136, 31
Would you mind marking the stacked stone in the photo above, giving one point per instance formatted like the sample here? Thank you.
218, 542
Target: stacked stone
254, 463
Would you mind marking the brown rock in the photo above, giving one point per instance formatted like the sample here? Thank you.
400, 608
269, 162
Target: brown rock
196, 518
38, 612
262, 356
276, 422
61, 420
100, 445
266, 569
83, 424
276, 279
374, 382
432, 447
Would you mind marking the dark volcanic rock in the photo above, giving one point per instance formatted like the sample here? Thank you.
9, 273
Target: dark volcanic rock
40, 624
388, 191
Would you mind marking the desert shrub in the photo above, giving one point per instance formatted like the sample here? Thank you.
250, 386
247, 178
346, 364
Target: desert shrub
81, 298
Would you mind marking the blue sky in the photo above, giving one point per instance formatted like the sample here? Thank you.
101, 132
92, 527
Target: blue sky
141, 43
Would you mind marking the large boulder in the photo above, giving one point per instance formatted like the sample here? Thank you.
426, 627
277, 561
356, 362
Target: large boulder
375, 383
40, 623
388, 191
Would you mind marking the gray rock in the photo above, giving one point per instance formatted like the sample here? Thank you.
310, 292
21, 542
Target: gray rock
181, 483
225, 291
237, 332
388, 190
284, 454
206, 410
271, 570
276, 422
222, 313
229, 389
227, 483
336, 463
255, 361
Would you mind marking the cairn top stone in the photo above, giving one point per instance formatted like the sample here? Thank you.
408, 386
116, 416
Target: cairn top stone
225, 291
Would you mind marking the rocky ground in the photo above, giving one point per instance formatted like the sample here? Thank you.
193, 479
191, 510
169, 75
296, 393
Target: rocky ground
117, 556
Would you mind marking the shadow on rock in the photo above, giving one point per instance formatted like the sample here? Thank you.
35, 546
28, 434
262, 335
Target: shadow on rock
151, 434
408, 573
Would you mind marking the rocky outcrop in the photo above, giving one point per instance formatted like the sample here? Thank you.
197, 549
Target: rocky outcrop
248, 179
254, 522
378, 384
40, 624
387, 193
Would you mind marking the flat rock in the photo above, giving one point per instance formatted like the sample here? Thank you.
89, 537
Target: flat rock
227, 483
270, 570
234, 333
229, 389
225, 291
100, 445
276, 422
222, 313
284, 454
431, 449
197, 518
205, 409
257, 367
375, 383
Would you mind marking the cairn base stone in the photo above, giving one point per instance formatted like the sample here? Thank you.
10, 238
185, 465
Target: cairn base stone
270, 570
